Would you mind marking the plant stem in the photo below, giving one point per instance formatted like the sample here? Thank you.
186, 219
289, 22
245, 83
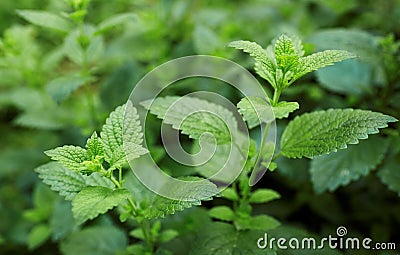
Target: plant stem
275, 99
145, 225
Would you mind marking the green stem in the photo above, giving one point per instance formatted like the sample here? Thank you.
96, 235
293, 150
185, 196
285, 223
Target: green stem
276, 156
264, 137
145, 225
275, 99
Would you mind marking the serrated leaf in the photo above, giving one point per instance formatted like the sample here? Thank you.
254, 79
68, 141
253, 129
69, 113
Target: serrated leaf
255, 51
70, 156
97, 240
322, 132
390, 175
320, 59
114, 21
155, 206
194, 116
340, 168
94, 146
282, 109
61, 88
92, 201
61, 179
255, 110
67, 182
284, 52
263, 196
223, 239
122, 126
45, 19
222, 213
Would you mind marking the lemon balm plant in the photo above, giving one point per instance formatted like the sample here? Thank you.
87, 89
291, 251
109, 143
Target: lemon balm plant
94, 180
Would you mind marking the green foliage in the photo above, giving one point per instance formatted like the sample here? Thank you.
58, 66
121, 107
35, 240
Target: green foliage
263, 196
98, 240
322, 132
92, 201
340, 168
46, 19
390, 176
194, 117
283, 63
221, 238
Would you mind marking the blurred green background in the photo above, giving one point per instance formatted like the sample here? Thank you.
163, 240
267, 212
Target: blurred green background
39, 112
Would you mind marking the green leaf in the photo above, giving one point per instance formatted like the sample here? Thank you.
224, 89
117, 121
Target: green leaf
62, 222
38, 235
155, 206
70, 156
114, 21
322, 132
94, 146
320, 59
167, 235
46, 19
390, 175
194, 116
223, 239
282, 109
284, 52
350, 77
61, 179
328, 172
61, 88
97, 240
263, 222
67, 182
230, 193
222, 213
257, 52
255, 110
263, 196
113, 134
137, 233
92, 201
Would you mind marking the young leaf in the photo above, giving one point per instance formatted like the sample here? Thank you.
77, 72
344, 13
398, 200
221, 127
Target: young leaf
220, 238
113, 134
322, 132
95, 240
222, 213
94, 146
38, 235
92, 201
263, 196
167, 235
255, 110
255, 51
62, 87
320, 59
282, 109
330, 171
194, 116
263, 222
70, 156
285, 55
46, 19
230, 194
67, 182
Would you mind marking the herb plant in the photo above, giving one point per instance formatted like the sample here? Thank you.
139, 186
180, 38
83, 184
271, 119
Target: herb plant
93, 178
